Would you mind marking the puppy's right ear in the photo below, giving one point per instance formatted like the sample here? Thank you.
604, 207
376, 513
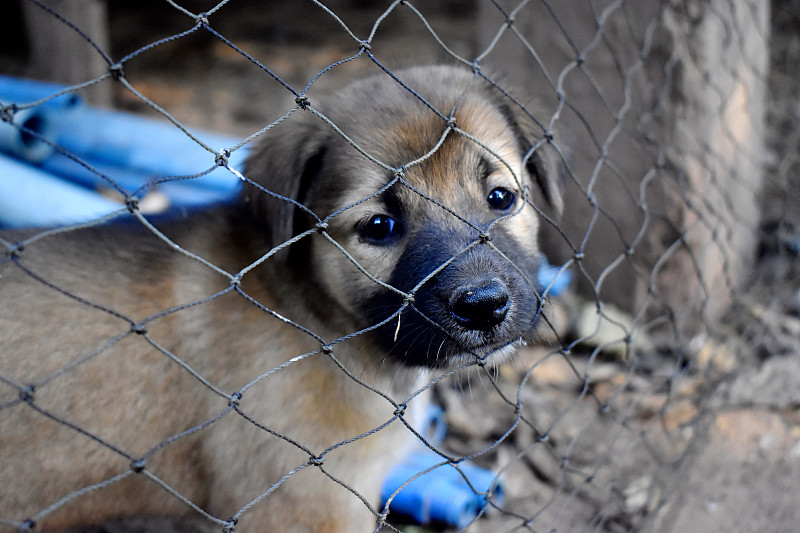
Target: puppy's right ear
543, 164
546, 171
283, 165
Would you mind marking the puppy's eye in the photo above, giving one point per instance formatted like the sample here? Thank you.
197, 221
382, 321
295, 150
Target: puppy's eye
500, 198
379, 229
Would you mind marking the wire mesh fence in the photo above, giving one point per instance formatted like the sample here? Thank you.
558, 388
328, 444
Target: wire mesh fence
256, 351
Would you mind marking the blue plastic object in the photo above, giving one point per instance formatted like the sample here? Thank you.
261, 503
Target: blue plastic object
22, 91
442, 494
22, 144
96, 149
57, 202
552, 278
134, 150
18, 142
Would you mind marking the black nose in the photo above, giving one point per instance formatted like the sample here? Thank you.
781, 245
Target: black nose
480, 306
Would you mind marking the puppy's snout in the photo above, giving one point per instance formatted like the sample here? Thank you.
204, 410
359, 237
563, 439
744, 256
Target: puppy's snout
481, 305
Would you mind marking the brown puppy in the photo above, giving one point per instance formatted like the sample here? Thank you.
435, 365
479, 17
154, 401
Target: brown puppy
261, 383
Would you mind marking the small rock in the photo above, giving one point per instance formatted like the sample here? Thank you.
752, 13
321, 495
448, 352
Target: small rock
637, 494
678, 414
609, 329
776, 384
794, 453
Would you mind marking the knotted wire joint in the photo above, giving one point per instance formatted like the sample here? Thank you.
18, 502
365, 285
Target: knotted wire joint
302, 101
132, 203
27, 393
234, 399
116, 71
138, 466
7, 112
221, 159
15, 249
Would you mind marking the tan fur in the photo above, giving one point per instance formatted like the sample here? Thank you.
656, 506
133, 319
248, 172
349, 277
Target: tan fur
147, 387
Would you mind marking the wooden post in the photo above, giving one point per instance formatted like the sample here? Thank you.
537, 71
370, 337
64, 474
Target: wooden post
60, 54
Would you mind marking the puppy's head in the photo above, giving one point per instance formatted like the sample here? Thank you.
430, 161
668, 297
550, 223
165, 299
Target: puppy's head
426, 201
